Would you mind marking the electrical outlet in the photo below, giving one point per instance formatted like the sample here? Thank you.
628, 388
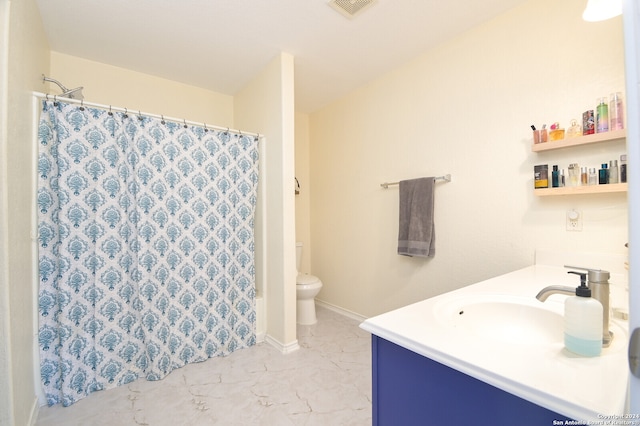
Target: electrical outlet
574, 220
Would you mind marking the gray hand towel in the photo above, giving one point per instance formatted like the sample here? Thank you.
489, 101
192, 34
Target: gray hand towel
416, 235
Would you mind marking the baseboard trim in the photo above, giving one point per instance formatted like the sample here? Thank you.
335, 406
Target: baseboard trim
284, 349
341, 311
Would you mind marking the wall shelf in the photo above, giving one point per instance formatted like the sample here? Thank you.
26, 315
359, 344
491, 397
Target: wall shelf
589, 189
580, 140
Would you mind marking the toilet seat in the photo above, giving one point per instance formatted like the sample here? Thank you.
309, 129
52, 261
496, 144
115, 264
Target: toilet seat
305, 279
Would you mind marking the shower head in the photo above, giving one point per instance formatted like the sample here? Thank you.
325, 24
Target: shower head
68, 93
74, 93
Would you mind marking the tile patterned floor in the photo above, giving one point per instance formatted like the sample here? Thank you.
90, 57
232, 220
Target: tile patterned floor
326, 382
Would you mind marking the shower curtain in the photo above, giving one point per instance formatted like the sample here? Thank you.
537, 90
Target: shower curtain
146, 247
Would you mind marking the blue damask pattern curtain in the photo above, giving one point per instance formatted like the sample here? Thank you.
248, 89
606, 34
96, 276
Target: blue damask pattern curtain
146, 247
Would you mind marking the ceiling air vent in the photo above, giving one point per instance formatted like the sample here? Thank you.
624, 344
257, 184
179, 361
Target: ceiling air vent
350, 8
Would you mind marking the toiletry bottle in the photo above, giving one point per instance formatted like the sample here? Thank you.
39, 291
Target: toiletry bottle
561, 180
588, 124
555, 177
541, 176
536, 134
623, 168
583, 321
593, 176
584, 176
602, 116
613, 171
603, 174
574, 175
574, 130
616, 112
556, 133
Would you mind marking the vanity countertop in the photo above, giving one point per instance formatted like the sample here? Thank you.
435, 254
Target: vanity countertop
584, 389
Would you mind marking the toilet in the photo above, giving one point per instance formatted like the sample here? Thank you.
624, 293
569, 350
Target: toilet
307, 287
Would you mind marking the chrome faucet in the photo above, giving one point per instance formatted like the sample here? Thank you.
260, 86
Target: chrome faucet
599, 284
555, 289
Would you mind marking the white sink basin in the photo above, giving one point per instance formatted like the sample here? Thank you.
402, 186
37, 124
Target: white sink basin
507, 338
513, 319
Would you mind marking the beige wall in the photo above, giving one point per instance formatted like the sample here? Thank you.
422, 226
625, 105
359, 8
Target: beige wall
109, 85
303, 199
464, 108
26, 47
266, 105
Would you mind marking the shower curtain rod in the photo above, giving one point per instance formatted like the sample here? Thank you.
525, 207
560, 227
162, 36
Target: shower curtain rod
139, 113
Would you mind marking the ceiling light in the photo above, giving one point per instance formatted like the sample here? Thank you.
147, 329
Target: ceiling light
600, 10
349, 8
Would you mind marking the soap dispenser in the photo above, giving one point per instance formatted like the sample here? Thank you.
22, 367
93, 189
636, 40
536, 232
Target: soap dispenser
583, 321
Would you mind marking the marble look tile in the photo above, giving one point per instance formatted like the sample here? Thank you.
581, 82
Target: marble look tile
326, 382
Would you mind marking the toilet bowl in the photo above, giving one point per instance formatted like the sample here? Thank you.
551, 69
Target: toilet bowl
307, 287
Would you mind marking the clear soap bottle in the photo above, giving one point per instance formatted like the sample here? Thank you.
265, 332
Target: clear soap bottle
583, 321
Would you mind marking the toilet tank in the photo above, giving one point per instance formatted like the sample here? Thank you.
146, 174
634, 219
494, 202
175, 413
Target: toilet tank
298, 256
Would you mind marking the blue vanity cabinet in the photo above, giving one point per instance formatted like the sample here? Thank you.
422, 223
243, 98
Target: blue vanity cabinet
410, 389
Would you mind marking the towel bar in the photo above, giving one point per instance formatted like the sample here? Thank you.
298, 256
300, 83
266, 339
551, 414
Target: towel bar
446, 178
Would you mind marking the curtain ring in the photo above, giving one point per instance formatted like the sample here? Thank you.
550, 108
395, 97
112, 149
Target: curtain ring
257, 137
162, 121
227, 131
110, 113
126, 115
185, 123
47, 96
205, 127
81, 104
139, 115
